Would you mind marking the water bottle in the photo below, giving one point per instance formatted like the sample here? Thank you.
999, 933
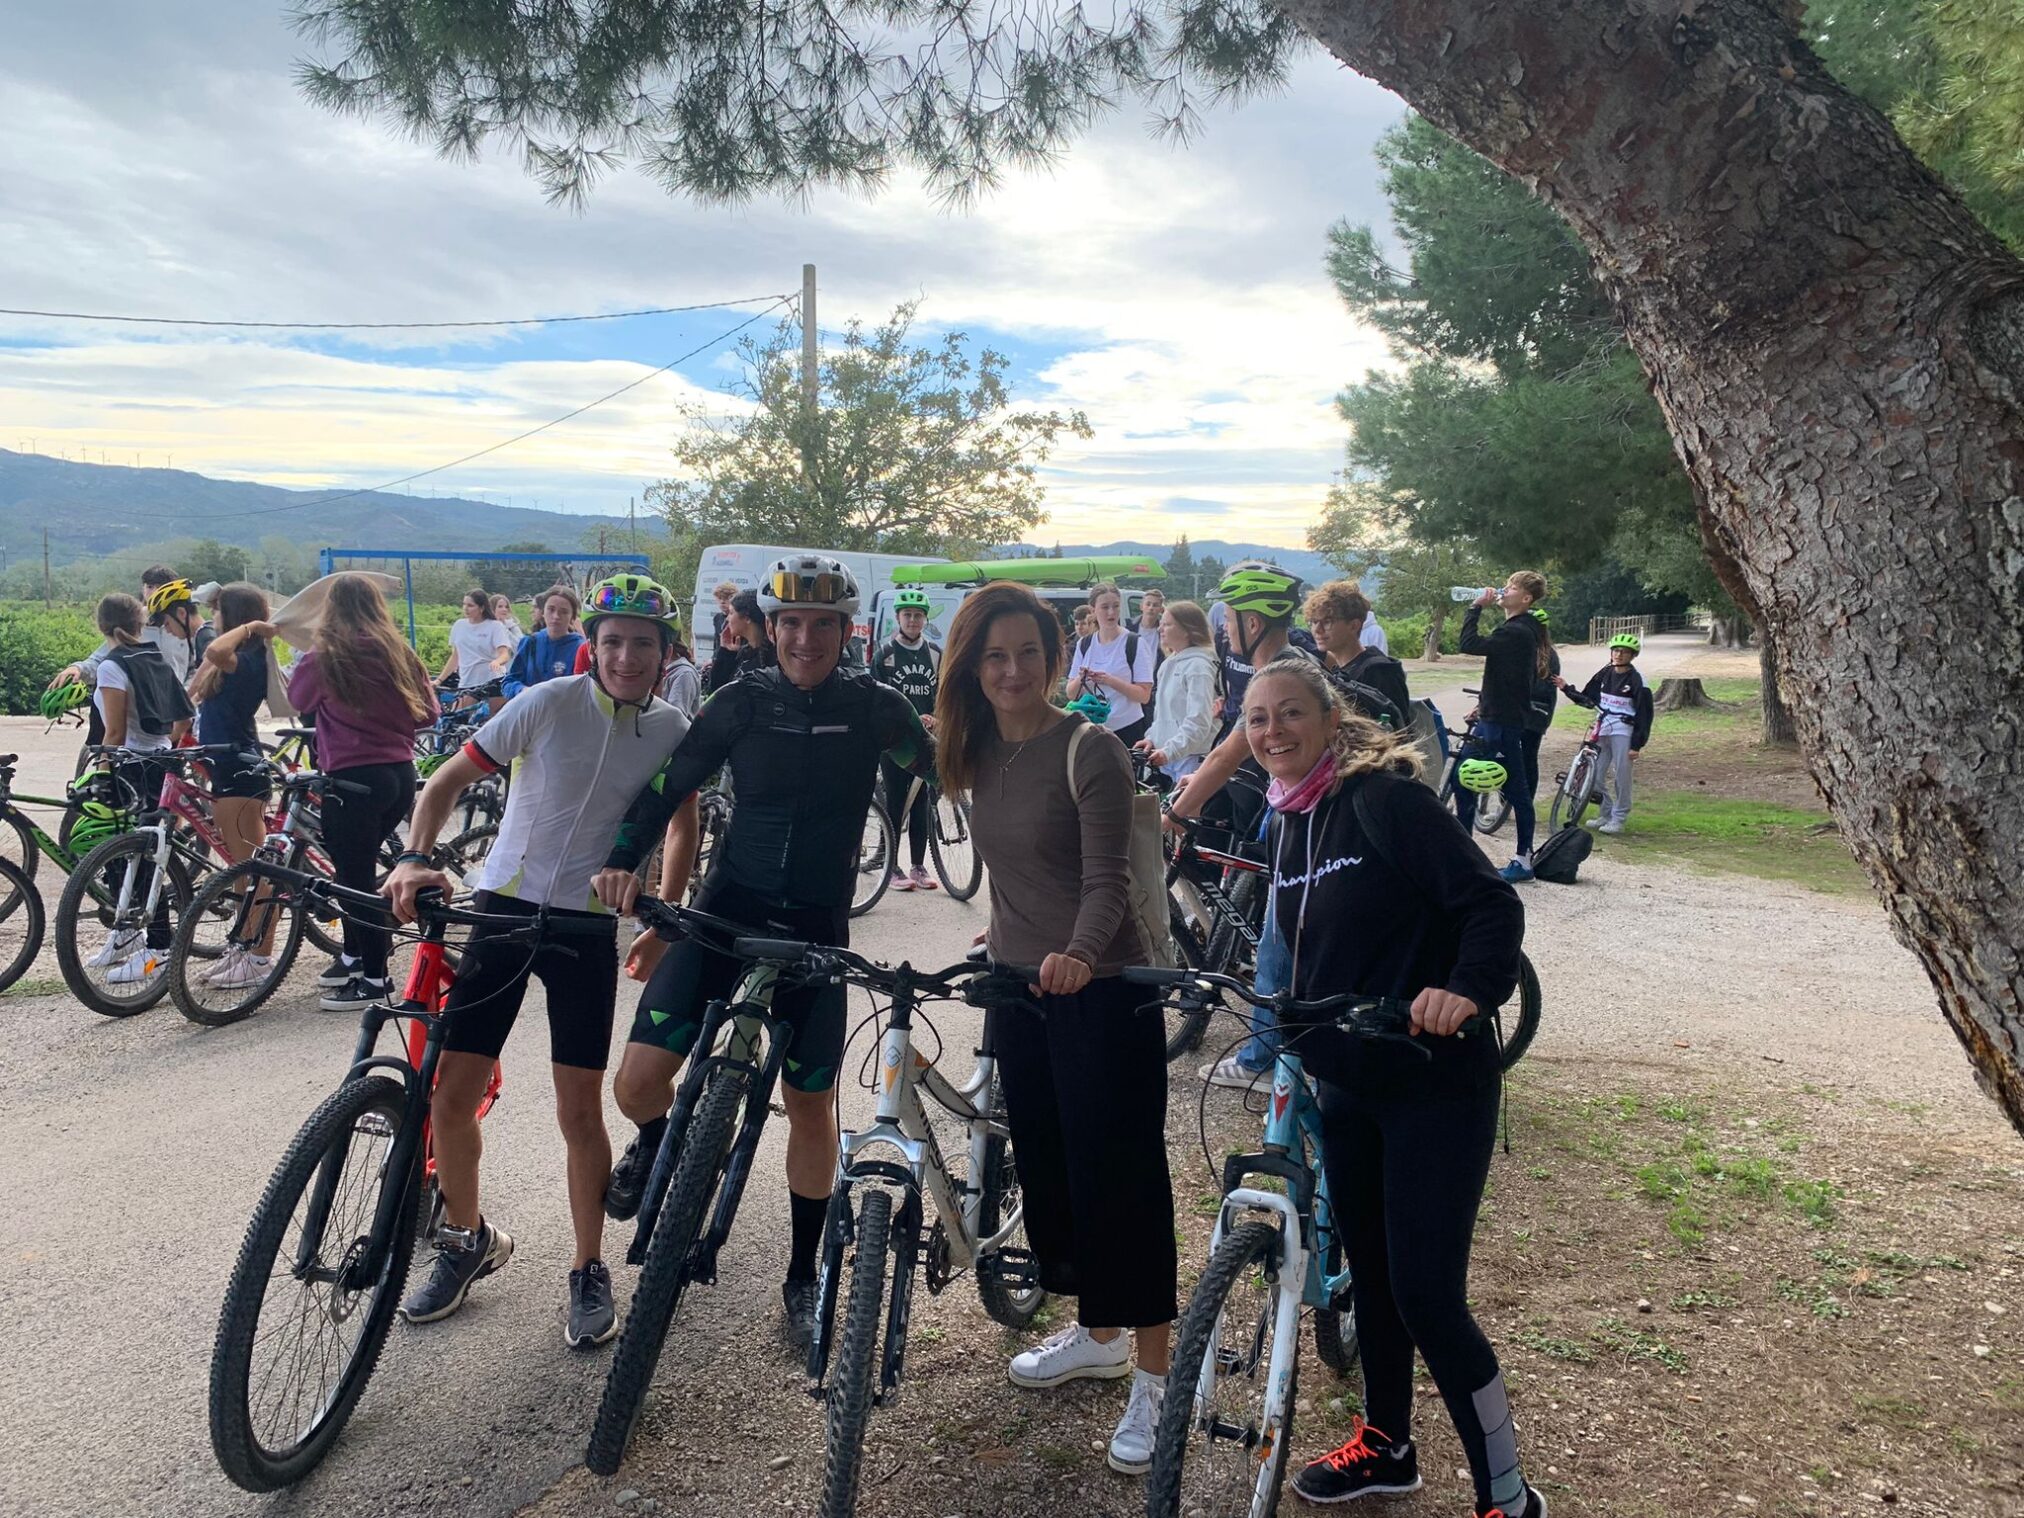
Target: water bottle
1464, 592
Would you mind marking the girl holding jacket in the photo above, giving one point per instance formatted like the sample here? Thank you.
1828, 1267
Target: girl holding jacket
1184, 695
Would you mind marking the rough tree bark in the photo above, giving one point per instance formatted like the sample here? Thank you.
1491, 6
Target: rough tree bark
1432, 649
1778, 726
1838, 347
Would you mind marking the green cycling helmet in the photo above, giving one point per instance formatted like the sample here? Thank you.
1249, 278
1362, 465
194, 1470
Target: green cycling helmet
62, 700
1481, 775
631, 595
1626, 640
1265, 590
96, 822
912, 600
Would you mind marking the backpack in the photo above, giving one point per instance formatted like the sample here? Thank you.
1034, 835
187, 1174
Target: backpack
159, 700
1559, 858
1430, 735
1130, 652
1146, 896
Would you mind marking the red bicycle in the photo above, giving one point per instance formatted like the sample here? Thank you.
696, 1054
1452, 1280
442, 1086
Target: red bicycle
327, 1252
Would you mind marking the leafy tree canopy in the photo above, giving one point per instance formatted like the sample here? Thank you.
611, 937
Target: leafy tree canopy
911, 450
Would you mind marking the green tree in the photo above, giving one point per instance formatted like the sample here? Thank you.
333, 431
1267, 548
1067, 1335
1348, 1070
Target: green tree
512, 578
207, 559
1184, 576
910, 450
1361, 528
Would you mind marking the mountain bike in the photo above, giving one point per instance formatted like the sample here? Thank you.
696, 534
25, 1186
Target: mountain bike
1580, 783
21, 924
1216, 911
326, 1254
701, 1167
94, 808
957, 863
1226, 1425
886, 1174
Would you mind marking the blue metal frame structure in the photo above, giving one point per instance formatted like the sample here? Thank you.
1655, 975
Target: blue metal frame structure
326, 564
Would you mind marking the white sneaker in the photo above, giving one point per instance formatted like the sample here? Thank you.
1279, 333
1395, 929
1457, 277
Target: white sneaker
1232, 1074
1594, 820
1071, 1355
1611, 826
1131, 1447
142, 965
208, 976
117, 946
242, 971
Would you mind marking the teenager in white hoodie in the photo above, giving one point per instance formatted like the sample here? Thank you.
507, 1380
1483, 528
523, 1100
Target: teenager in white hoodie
1184, 695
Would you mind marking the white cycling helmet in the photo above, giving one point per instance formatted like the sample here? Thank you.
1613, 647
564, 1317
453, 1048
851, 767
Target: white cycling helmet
808, 582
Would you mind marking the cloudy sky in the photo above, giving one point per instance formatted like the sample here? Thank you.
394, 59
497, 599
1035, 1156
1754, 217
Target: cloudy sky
156, 160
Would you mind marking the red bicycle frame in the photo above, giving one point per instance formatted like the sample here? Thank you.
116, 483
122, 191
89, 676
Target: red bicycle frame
428, 985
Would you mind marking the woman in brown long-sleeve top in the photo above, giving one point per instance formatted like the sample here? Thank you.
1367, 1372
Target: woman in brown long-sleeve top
1084, 1074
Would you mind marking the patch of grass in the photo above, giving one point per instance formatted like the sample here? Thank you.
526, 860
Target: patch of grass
1555, 1348
1681, 1112
1695, 1301
1814, 1200
1893, 1412
43, 985
1740, 837
1636, 1344
1752, 1178
1687, 1223
1815, 1298
1058, 1457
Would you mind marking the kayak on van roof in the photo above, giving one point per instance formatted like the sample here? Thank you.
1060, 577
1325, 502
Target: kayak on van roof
1032, 571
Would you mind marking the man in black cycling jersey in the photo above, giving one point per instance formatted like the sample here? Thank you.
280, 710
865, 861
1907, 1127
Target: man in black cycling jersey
803, 742
580, 745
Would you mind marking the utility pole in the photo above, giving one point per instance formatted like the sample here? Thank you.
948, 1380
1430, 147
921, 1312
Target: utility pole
811, 374
632, 525
47, 599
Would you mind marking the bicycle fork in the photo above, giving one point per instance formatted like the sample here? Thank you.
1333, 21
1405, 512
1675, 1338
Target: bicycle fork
1287, 1281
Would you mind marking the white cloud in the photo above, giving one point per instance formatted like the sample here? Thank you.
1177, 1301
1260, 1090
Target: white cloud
1186, 285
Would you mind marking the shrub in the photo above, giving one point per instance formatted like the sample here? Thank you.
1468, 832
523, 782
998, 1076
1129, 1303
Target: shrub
34, 644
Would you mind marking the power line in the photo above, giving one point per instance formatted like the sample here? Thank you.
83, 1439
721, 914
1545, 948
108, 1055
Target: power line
525, 321
331, 500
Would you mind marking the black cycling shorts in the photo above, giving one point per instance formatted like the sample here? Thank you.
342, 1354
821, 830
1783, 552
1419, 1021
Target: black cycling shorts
689, 977
241, 774
577, 963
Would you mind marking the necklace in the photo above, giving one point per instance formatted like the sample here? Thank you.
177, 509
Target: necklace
1004, 768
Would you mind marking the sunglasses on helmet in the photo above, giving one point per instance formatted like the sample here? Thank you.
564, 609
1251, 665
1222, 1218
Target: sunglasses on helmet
824, 588
645, 602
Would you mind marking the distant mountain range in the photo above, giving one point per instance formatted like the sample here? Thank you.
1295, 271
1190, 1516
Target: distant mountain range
92, 509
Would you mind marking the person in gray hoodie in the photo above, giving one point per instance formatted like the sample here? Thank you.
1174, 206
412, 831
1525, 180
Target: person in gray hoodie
1184, 694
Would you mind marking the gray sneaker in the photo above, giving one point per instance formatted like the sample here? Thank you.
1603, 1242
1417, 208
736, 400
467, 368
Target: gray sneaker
592, 1319
456, 1267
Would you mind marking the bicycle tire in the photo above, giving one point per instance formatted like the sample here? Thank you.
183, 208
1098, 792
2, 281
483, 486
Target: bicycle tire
234, 1439
1492, 812
1227, 944
665, 1271
216, 1007
1518, 1036
26, 856
1579, 781
951, 842
21, 923
82, 890
874, 865
1006, 1307
1248, 1246
1335, 1338
1185, 1027
468, 850
849, 1397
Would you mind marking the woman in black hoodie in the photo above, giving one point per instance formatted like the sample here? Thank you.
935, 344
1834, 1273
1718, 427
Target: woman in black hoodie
1515, 656
1381, 892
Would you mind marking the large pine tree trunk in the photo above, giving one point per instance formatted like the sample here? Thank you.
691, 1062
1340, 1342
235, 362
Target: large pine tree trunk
1839, 350
1778, 726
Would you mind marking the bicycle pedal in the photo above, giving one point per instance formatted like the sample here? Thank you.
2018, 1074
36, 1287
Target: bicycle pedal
1016, 1268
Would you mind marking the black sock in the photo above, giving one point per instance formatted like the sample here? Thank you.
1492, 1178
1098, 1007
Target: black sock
651, 1134
809, 1214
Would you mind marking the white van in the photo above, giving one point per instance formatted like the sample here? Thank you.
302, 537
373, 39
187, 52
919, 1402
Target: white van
744, 565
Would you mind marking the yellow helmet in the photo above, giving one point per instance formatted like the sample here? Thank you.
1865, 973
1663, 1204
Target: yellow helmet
164, 598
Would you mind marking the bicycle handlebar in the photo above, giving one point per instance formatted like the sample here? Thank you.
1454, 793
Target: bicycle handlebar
431, 906
1385, 1017
814, 960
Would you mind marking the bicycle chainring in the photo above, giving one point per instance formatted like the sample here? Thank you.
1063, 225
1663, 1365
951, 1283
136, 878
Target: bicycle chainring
936, 1258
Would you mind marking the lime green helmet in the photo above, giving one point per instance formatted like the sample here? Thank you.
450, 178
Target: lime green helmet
1626, 640
631, 595
912, 600
96, 822
428, 764
63, 699
1265, 590
1481, 775
1540, 613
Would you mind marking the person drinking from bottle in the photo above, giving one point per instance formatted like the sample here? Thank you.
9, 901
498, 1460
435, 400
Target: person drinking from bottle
581, 749
1084, 1071
1516, 655
1380, 892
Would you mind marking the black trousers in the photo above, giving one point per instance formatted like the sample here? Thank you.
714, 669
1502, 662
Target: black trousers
915, 823
353, 827
1532, 761
145, 777
1406, 1166
1085, 1081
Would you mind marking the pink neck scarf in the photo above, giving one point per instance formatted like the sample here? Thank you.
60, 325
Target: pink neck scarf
1305, 796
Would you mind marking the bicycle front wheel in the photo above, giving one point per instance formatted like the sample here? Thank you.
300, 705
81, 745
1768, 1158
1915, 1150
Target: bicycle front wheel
874, 861
237, 945
1578, 792
1186, 1021
1492, 812
302, 1324
858, 1356
118, 887
20, 923
665, 1272
1225, 1426
957, 861
17, 843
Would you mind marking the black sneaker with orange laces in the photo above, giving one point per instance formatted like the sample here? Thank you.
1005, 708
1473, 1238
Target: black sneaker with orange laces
1369, 1465
1535, 1506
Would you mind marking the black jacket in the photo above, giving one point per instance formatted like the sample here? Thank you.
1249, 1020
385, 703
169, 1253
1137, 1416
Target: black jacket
1510, 665
1381, 673
1416, 907
1545, 696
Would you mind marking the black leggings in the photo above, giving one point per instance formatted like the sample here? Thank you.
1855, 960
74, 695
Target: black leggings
1406, 1167
145, 778
353, 828
1532, 767
915, 823
1507, 745
1085, 1080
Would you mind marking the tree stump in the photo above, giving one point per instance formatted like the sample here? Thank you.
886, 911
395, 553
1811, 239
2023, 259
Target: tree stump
1676, 695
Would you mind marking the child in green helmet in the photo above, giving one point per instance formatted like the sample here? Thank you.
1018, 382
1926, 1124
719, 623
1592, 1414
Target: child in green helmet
1620, 694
